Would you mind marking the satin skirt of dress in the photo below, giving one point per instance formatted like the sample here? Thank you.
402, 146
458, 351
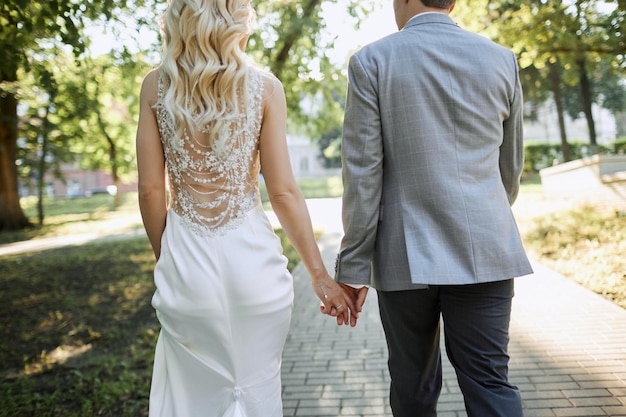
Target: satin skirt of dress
224, 304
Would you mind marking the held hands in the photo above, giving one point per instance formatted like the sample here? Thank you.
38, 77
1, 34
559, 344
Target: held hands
340, 301
335, 301
357, 295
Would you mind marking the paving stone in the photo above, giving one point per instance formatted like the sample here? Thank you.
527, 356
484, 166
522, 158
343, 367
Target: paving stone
579, 411
318, 411
615, 411
618, 391
542, 395
592, 401
547, 403
539, 412
582, 393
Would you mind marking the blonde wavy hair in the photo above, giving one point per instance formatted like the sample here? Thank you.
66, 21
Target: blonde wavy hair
204, 64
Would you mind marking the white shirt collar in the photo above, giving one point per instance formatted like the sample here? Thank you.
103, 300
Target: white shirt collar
422, 14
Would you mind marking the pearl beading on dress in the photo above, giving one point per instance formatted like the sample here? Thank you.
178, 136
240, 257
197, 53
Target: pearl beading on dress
213, 186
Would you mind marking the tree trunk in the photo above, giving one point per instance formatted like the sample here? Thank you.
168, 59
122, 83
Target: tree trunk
620, 123
11, 215
556, 90
117, 200
40, 182
585, 86
42, 165
116, 179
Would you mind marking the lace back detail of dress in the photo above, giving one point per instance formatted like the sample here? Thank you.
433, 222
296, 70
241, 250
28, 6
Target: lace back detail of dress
213, 187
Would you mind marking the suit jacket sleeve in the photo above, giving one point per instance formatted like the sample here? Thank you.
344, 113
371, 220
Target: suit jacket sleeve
512, 148
362, 171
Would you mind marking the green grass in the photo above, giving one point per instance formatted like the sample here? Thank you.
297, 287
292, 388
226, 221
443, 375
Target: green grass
584, 243
78, 331
314, 188
321, 188
97, 214
68, 216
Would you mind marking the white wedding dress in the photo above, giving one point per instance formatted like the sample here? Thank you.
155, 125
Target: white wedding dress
223, 294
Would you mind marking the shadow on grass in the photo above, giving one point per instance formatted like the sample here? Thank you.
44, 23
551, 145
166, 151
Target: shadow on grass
78, 331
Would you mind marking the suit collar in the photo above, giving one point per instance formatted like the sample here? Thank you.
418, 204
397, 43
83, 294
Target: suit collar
434, 17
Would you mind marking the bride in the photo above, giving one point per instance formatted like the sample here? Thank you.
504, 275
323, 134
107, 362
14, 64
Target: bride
210, 121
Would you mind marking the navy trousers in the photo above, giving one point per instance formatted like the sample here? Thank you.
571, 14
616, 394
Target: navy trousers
476, 332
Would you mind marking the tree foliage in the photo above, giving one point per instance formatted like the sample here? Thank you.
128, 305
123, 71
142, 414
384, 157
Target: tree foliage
288, 41
566, 42
81, 105
111, 84
291, 41
49, 105
27, 26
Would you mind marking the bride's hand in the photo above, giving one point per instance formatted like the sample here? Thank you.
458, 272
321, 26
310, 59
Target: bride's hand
336, 302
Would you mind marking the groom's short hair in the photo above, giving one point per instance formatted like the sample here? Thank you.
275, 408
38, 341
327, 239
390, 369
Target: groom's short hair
442, 4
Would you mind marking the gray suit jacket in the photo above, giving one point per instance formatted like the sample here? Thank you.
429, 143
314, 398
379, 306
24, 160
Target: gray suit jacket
432, 155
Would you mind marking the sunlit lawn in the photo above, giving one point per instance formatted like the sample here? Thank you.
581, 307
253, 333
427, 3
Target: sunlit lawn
583, 242
78, 331
97, 214
68, 216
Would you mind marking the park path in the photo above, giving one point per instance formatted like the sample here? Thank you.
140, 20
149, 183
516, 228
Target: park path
35, 245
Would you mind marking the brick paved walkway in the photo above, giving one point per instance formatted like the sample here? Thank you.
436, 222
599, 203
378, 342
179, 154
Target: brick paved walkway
568, 349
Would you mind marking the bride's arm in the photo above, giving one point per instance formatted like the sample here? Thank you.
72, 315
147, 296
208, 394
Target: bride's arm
151, 166
289, 204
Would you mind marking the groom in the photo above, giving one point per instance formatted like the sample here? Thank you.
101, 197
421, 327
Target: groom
432, 156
